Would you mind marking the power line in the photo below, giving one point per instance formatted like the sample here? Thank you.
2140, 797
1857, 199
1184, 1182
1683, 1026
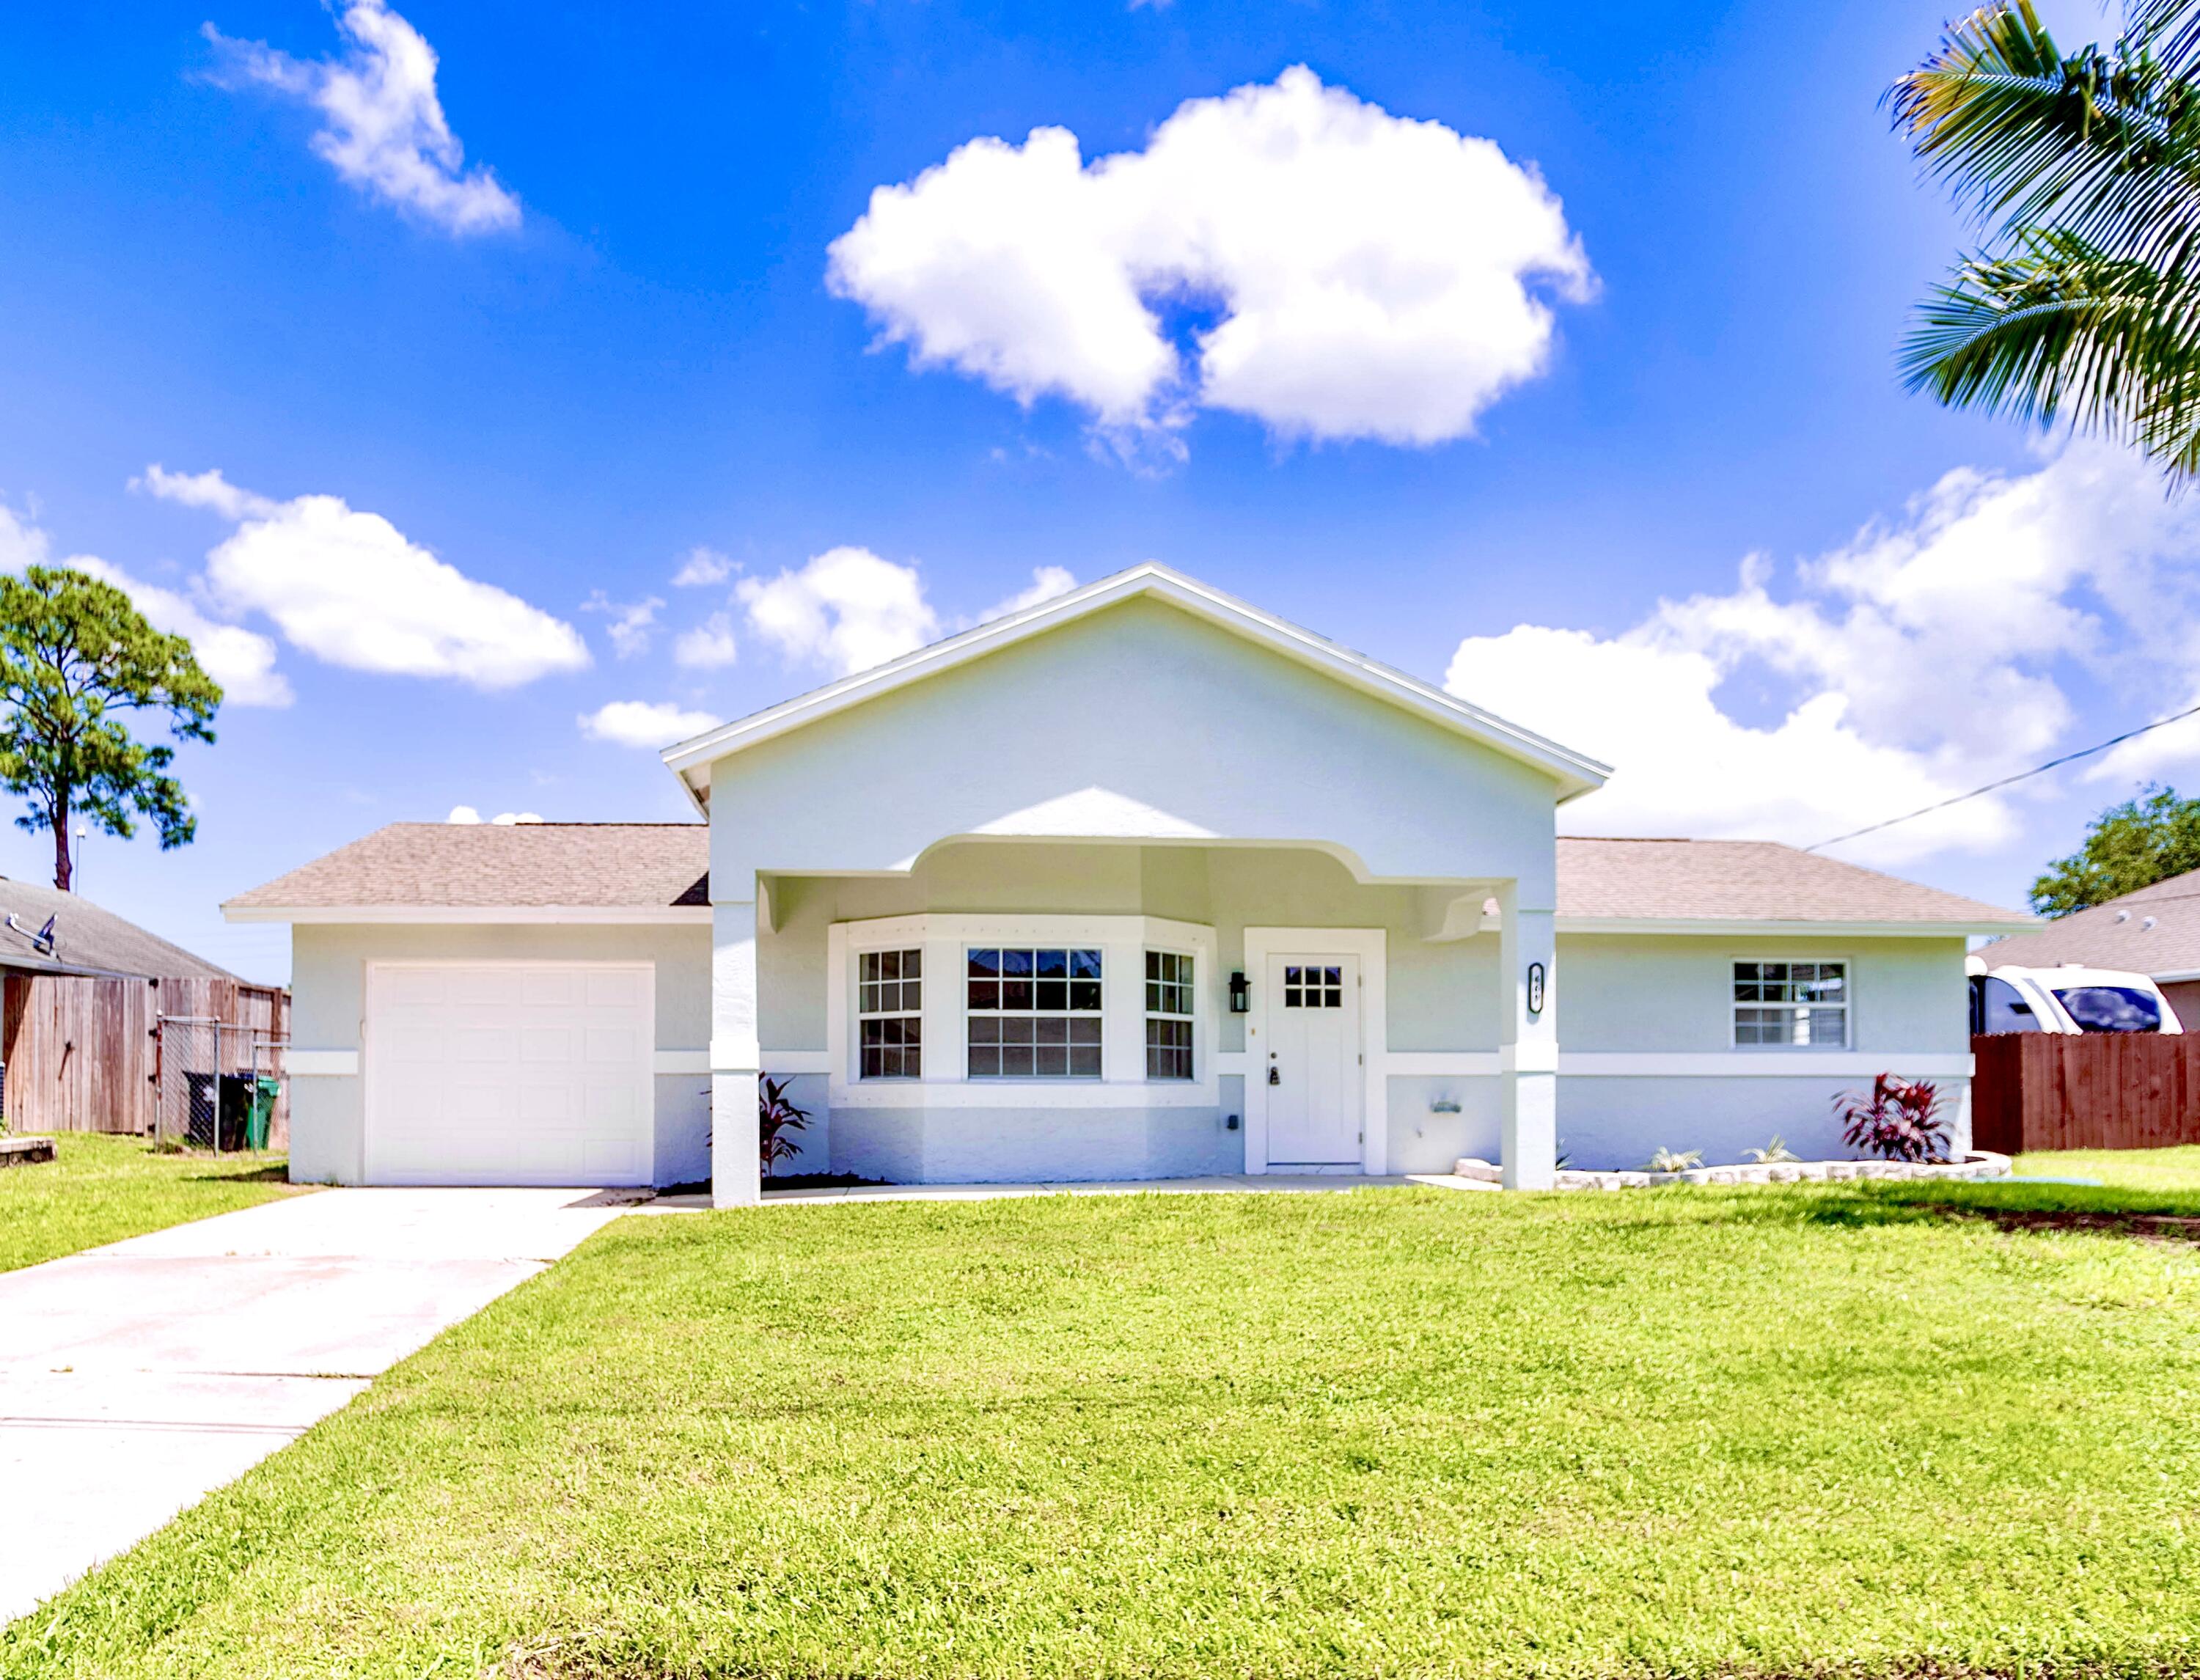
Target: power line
2037, 769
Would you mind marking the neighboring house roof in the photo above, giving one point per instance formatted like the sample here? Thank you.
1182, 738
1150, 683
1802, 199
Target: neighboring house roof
86, 940
1621, 886
2154, 931
1576, 773
617, 872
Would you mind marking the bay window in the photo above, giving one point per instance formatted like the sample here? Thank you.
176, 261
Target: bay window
890, 1007
1168, 1016
1101, 1010
1033, 1012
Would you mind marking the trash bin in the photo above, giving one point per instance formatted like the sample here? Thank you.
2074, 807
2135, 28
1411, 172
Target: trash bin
238, 1092
199, 1105
265, 1091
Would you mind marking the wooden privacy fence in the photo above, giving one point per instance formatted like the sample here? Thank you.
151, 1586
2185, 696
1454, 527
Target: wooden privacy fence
83, 1053
2094, 1090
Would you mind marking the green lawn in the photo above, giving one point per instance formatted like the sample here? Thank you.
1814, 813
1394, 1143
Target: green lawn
1391, 1433
100, 1189
2156, 1169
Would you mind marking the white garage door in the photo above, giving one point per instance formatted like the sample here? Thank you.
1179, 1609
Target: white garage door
509, 1072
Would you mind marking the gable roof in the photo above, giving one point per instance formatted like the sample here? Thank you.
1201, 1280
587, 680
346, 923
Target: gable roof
636, 872
619, 872
1667, 886
1576, 773
2117, 934
87, 940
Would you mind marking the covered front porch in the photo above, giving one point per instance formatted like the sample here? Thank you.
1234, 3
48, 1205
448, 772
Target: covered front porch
1085, 1009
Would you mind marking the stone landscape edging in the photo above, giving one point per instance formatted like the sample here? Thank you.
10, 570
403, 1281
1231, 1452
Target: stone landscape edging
1975, 1165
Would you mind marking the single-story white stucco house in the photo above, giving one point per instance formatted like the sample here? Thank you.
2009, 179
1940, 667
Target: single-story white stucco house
1140, 882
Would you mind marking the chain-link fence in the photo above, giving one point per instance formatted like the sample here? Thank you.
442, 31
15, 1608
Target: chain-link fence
199, 1057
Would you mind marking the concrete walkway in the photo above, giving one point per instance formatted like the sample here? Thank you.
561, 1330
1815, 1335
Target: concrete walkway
1270, 1184
136, 1378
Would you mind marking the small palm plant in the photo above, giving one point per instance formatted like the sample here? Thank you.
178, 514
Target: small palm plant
1674, 1160
1774, 1153
776, 1117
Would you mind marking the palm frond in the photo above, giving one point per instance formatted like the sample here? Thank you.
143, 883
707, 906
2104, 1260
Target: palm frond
2063, 332
2171, 30
2105, 142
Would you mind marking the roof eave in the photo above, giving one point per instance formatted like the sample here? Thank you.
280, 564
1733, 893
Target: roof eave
1784, 927
628, 916
1576, 773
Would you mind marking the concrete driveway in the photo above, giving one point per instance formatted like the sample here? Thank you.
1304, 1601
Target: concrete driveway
136, 1378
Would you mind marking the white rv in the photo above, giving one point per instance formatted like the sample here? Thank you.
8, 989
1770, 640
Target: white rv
2071, 998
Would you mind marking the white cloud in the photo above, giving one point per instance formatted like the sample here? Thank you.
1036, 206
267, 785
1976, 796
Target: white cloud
1927, 656
649, 724
243, 661
21, 543
383, 127
1375, 277
631, 623
348, 587
466, 814
845, 609
208, 490
1047, 582
709, 646
701, 567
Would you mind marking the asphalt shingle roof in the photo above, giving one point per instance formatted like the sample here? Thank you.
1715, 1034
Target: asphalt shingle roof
626, 864
87, 938
1745, 880
451, 864
2116, 935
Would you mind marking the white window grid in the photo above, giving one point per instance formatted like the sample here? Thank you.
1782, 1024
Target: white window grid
1169, 1025
1032, 1011
890, 1014
1791, 1004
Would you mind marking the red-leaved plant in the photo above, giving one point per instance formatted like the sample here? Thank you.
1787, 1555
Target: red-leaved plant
776, 1117
1900, 1121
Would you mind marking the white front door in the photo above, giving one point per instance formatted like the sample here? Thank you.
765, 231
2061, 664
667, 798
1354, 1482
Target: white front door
510, 1072
1314, 1069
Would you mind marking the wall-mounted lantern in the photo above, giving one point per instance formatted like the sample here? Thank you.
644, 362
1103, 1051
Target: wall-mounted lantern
1241, 995
1535, 988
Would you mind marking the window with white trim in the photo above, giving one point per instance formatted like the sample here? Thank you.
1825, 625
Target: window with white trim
1032, 1012
1168, 1016
889, 1009
1798, 1004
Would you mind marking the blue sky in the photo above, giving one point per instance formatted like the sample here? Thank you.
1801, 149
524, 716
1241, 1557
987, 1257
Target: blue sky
563, 378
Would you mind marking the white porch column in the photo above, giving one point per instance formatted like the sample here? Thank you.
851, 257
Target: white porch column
1527, 1044
736, 1173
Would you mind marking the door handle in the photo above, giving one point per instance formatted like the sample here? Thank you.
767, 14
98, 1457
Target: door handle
1274, 1076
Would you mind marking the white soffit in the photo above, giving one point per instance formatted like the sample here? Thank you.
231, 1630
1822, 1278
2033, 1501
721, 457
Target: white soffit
1576, 773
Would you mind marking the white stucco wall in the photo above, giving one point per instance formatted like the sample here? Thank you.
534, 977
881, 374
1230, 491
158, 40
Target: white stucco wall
328, 973
1140, 721
1672, 995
